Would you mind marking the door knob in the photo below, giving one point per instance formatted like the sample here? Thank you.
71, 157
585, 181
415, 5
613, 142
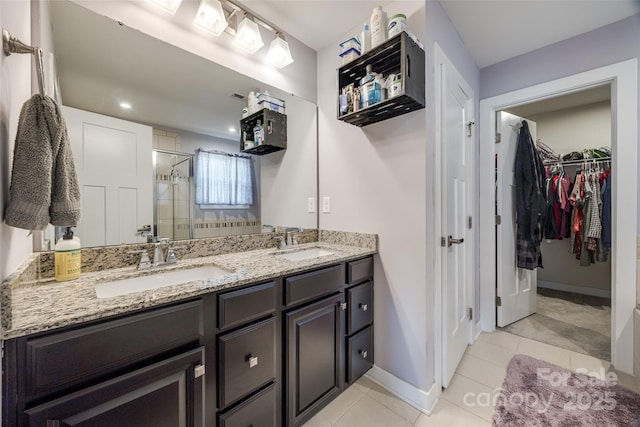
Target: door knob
452, 241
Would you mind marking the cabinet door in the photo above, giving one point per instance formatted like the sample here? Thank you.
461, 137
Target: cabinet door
166, 394
314, 357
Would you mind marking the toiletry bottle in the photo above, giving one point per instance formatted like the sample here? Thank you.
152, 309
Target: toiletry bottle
378, 27
258, 134
370, 88
365, 38
252, 102
67, 257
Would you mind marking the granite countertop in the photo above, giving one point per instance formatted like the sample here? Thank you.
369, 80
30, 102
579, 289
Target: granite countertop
46, 304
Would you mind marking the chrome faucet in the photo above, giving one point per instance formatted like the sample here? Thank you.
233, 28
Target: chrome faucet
144, 263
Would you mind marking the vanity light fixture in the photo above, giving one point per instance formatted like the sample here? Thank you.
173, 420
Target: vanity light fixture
167, 5
279, 53
248, 36
210, 17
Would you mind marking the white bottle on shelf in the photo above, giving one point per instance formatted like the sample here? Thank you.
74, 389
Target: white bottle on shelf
378, 27
365, 38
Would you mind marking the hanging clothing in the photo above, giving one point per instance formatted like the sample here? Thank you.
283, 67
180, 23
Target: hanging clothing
531, 201
606, 212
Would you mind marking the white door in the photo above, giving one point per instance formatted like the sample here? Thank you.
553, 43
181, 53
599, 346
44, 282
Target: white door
457, 170
113, 161
516, 287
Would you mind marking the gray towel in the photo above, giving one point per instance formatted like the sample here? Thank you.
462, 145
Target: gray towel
44, 184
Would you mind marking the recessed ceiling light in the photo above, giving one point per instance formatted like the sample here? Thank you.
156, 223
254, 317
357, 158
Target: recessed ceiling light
125, 105
232, 129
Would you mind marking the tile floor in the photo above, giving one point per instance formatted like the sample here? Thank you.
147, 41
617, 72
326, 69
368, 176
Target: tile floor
482, 370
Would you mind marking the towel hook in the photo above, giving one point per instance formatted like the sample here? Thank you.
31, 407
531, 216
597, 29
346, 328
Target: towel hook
11, 45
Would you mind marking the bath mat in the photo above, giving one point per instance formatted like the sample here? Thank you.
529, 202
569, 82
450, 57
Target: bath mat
537, 393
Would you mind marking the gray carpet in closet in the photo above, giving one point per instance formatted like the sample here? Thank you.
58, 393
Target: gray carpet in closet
575, 322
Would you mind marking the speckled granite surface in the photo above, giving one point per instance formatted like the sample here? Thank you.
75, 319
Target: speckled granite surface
33, 306
350, 239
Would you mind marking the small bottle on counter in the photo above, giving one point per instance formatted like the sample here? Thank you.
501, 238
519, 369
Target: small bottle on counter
67, 257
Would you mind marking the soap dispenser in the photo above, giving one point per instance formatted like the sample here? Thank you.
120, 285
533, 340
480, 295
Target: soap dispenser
67, 258
258, 134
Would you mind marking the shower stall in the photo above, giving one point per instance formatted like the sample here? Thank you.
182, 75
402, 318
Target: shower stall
173, 195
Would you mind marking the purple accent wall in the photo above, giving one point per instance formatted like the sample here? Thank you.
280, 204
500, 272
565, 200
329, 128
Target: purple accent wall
607, 45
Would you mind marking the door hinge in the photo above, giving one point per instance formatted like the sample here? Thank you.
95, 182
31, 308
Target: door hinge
198, 371
498, 137
470, 313
470, 222
498, 301
443, 242
498, 220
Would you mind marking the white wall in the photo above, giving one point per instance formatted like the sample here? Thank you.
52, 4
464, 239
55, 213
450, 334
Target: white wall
376, 178
15, 89
298, 78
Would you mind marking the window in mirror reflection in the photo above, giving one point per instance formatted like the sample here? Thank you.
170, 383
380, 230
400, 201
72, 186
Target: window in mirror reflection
223, 180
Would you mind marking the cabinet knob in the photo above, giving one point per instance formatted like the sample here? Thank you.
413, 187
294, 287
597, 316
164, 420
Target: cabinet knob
253, 361
363, 353
343, 305
198, 371
364, 307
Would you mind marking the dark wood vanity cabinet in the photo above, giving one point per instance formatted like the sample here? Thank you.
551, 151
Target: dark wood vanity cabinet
263, 355
144, 369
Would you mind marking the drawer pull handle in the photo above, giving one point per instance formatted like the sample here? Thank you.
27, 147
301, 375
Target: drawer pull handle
253, 361
363, 353
364, 307
198, 371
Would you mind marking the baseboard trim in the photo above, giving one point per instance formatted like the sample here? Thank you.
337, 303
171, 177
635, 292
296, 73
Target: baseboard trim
424, 401
584, 290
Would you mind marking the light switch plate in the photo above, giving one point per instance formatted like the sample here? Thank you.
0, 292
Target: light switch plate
326, 204
311, 204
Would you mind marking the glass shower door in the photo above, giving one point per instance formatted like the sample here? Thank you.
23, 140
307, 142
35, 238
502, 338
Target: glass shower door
173, 195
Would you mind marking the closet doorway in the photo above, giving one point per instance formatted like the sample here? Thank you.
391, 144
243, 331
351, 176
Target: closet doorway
624, 123
568, 302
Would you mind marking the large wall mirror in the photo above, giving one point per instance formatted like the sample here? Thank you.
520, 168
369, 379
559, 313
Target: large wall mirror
138, 110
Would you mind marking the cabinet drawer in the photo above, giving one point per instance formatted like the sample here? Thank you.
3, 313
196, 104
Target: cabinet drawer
360, 270
237, 307
247, 360
307, 286
360, 306
359, 354
258, 411
67, 358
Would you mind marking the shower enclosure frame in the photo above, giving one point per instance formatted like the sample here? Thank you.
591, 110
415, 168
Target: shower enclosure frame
155, 189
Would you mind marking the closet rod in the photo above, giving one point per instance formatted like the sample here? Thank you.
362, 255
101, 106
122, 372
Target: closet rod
579, 161
11, 45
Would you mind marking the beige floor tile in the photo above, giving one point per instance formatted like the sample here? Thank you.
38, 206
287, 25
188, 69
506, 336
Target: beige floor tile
589, 365
368, 412
491, 353
447, 414
363, 384
626, 380
481, 371
318, 420
472, 396
548, 353
392, 402
341, 404
502, 339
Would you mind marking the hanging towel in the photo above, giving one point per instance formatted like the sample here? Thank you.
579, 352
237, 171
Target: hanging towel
44, 185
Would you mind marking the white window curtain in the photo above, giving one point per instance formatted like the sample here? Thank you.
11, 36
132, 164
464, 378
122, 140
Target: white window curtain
223, 179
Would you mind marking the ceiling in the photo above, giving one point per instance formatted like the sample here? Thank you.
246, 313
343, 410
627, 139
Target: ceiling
572, 100
492, 31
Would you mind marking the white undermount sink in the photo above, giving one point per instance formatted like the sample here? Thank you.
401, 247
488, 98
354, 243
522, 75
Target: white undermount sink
305, 254
159, 280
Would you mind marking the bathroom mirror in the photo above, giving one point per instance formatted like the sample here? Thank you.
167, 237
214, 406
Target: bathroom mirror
188, 102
